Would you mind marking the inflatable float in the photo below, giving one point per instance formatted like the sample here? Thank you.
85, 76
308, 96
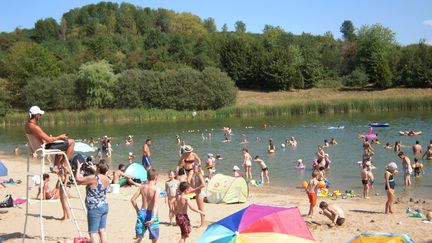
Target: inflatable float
370, 135
410, 133
377, 124
336, 128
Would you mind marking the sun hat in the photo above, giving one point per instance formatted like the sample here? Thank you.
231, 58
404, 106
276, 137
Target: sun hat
130, 153
391, 166
35, 110
300, 160
236, 167
210, 155
188, 148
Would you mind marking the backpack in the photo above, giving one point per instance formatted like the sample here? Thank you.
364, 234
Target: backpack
7, 202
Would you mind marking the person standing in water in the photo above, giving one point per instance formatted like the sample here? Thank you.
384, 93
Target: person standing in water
247, 163
146, 159
271, 148
407, 169
417, 149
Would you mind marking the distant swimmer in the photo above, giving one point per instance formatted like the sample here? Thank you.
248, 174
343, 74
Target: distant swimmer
417, 148
293, 142
271, 148
428, 153
129, 140
244, 141
388, 146
333, 141
326, 144
178, 139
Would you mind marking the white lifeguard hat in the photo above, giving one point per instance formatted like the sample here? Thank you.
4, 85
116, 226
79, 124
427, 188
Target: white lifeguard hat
236, 168
35, 110
300, 160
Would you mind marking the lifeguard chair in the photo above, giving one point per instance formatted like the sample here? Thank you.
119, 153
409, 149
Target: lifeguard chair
39, 151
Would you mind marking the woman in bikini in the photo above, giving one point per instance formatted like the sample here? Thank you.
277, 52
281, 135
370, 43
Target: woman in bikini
247, 163
187, 162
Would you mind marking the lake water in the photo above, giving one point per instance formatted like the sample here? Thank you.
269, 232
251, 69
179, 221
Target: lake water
309, 131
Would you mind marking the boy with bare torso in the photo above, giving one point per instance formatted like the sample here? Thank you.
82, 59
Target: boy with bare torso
182, 203
147, 215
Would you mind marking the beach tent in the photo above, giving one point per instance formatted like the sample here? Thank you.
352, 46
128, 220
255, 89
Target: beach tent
227, 189
136, 171
381, 238
260, 223
3, 169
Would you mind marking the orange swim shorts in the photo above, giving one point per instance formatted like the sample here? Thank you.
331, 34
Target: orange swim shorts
312, 198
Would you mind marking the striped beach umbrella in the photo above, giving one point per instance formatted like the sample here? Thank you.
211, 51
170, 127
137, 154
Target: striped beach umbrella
260, 223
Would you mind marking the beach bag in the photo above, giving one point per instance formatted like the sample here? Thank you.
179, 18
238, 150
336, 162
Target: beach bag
7, 202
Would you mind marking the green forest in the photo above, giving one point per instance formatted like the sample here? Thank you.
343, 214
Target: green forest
110, 55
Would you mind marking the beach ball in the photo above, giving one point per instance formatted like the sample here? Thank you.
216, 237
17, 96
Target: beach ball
304, 184
321, 184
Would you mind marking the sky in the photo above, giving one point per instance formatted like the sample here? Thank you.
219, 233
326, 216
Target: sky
411, 20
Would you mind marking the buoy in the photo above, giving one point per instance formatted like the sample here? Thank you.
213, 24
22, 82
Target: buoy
304, 184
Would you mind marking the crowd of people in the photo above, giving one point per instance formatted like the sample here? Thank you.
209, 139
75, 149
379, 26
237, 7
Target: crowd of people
187, 181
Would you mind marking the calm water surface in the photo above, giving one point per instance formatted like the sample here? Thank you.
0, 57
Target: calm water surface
309, 131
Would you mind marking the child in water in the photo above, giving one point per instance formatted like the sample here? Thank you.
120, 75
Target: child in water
418, 168
211, 165
264, 169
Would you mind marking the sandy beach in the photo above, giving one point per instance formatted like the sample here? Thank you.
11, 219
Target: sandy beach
361, 215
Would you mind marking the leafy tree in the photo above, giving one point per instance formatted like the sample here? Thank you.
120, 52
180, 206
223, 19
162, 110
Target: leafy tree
348, 31
94, 85
46, 29
24, 61
357, 78
224, 28
415, 66
240, 27
210, 25
376, 47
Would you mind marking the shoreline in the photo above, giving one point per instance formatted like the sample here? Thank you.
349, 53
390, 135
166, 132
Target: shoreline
362, 215
251, 105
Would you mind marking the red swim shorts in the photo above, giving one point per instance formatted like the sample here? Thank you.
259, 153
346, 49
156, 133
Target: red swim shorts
312, 198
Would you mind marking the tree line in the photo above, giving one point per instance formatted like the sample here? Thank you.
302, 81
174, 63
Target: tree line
119, 55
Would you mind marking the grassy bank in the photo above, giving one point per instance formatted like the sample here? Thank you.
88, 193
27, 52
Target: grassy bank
256, 104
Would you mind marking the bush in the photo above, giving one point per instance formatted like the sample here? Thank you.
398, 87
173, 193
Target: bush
53, 94
183, 89
357, 78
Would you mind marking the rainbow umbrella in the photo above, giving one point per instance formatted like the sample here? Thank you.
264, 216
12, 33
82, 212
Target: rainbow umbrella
260, 223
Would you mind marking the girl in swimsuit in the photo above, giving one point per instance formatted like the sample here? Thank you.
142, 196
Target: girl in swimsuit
187, 161
247, 163
271, 147
391, 170
171, 192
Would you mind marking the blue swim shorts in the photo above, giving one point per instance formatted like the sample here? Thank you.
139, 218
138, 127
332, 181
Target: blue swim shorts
140, 228
146, 161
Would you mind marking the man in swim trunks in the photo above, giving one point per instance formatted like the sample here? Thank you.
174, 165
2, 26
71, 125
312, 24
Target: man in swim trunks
417, 149
146, 159
147, 215
334, 213
406, 165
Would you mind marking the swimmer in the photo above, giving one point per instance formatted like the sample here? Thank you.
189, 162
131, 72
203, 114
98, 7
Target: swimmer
388, 146
326, 144
244, 141
333, 141
406, 165
218, 157
418, 168
129, 140
376, 141
258, 139
293, 142
226, 140
131, 156
247, 163
264, 169
417, 149
300, 164
178, 139
428, 153
397, 146
210, 165
271, 148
